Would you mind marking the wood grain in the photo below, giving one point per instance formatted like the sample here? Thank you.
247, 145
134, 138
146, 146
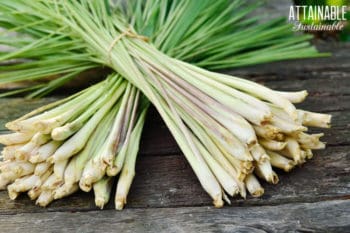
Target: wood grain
327, 216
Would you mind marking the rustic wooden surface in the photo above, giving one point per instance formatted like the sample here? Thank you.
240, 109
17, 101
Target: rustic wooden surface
166, 196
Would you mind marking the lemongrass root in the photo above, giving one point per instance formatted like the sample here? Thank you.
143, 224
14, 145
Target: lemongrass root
9, 152
280, 161
264, 171
93, 172
272, 144
34, 193
314, 119
267, 131
45, 198
51, 183
24, 184
45, 151
292, 149
59, 168
258, 153
102, 191
64, 191
253, 186
17, 169
29, 149
3, 182
15, 138
294, 97
41, 168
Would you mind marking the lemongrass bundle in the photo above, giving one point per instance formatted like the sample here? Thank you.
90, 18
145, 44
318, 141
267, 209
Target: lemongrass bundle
206, 112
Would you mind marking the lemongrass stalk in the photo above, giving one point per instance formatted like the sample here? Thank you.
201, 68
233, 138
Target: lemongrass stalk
30, 182
51, 183
41, 168
25, 152
258, 153
255, 115
3, 182
33, 194
215, 152
229, 119
15, 138
227, 182
9, 152
40, 139
272, 144
24, 184
303, 156
58, 169
128, 171
114, 138
314, 119
286, 127
45, 198
175, 124
293, 149
96, 167
37, 140
264, 171
226, 198
310, 141
44, 152
102, 191
253, 186
240, 169
12, 193
305, 138
172, 120
46, 126
241, 96
128, 139
28, 121
119, 160
74, 144
94, 170
268, 132
294, 97
224, 137
43, 178
17, 169
250, 87
76, 166
65, 131
64, 192
280, 161
309, 153
280, 113
317, 146
260, 92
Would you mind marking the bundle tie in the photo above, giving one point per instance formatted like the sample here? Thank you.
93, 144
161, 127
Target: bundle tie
128, 33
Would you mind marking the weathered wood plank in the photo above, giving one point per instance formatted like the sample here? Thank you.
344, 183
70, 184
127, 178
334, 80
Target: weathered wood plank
168, 181
328, 216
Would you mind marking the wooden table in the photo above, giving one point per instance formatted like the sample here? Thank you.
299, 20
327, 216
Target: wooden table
166, 196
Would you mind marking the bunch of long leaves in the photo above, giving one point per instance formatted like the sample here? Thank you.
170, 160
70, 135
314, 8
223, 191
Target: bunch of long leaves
66, 38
